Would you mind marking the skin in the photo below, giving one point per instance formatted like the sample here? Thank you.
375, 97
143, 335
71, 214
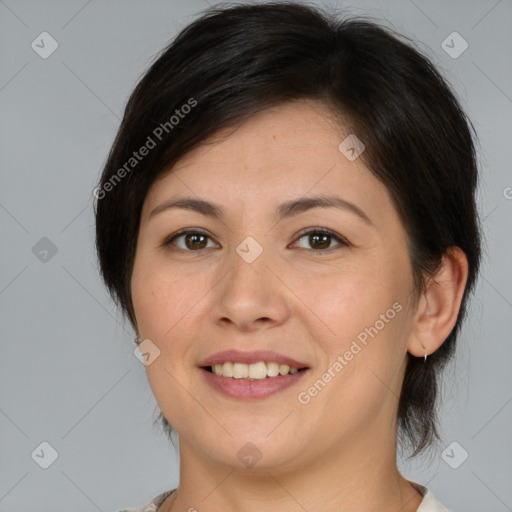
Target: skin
336, 452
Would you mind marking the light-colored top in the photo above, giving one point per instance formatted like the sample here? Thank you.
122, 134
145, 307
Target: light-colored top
429, 503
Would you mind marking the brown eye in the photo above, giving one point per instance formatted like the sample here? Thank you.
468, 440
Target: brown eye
189, 241
195, 241
321, 240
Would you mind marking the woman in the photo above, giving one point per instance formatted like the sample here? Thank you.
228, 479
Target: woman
287, 217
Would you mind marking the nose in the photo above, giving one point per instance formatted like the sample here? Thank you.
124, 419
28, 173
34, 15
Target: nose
251, 296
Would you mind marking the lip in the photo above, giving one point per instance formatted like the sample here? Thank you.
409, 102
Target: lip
244, 389
255, 356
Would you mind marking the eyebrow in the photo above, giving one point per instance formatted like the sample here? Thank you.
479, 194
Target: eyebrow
285, 210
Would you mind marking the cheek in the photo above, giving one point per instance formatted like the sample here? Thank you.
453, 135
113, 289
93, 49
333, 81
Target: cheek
163, 305
350, 298
161, 296
364, 310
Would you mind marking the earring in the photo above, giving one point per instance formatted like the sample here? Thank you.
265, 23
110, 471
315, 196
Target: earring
137, 340
425, 349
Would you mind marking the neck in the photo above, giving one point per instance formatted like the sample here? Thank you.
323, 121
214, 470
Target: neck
360, 476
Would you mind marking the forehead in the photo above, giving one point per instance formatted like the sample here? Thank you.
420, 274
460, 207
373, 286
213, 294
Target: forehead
279, 134
279, 154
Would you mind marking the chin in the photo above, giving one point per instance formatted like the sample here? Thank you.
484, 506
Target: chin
255, 450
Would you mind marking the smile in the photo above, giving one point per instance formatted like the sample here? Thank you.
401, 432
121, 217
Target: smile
255, 371
251, 375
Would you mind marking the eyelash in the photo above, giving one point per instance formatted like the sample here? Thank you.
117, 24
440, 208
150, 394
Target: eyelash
314, 231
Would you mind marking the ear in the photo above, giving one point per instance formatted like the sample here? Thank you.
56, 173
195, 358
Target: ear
439, 305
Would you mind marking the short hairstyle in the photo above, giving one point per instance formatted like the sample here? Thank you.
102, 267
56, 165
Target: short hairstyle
235, 61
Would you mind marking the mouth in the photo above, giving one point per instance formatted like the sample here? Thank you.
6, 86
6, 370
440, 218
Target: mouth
261, 370
251, 375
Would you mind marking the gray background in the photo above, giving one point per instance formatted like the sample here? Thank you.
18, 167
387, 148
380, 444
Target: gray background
68, 375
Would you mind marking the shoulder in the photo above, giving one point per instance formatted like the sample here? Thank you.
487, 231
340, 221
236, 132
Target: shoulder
152, 506
429, 503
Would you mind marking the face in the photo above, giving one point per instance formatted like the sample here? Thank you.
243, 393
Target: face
326, 288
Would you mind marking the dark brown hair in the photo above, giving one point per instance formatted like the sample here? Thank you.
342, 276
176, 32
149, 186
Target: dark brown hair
237, 60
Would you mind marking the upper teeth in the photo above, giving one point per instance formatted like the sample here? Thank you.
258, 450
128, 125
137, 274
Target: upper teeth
259, 370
